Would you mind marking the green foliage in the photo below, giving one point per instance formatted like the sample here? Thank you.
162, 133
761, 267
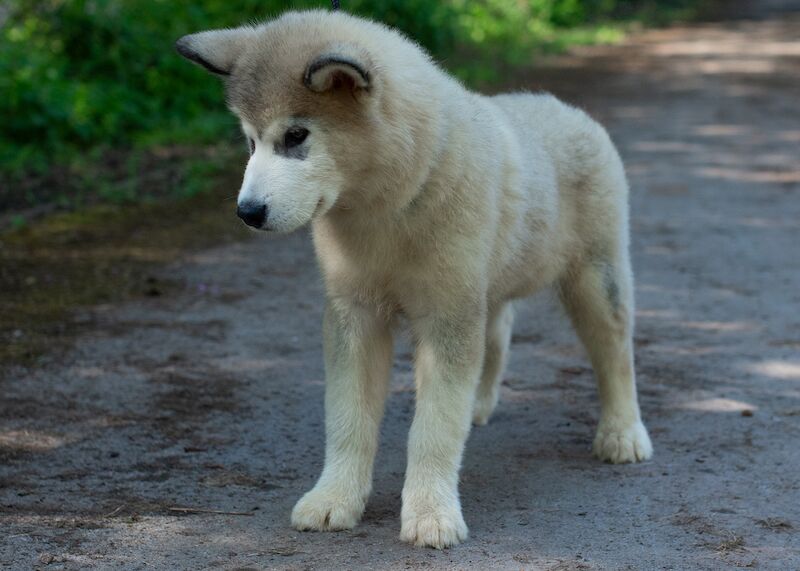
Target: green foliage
80, 75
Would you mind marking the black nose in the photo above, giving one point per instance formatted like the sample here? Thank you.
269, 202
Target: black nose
252, 214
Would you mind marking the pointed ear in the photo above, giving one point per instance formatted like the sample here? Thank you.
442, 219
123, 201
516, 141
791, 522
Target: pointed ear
339, 69
215, 50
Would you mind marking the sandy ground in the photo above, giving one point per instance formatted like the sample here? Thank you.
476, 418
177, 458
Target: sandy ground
212, 398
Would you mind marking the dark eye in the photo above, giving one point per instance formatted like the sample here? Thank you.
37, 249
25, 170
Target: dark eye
252, 144
294, 136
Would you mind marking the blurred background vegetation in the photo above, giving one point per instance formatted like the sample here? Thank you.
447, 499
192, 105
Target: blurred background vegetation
97, 107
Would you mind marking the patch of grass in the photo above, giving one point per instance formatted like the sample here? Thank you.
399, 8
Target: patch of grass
775, 524
112, 176
732, 543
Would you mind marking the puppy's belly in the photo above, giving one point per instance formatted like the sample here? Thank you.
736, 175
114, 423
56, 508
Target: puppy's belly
523, 280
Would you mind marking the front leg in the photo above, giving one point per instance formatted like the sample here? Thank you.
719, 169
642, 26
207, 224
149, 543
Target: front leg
448, 365
358, 359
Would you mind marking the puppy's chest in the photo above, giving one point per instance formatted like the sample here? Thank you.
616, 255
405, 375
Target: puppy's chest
393, 280
386, 282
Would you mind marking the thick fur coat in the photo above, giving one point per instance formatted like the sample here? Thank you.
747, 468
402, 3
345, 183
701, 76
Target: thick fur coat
438, 204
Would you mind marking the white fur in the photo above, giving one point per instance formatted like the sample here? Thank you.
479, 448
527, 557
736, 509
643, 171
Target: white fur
293, 190
441, 205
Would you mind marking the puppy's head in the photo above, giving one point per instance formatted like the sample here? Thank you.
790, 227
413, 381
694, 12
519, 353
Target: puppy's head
307, 97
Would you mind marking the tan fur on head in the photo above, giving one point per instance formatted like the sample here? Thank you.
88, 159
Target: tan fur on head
380, 143
339, 69
440, 204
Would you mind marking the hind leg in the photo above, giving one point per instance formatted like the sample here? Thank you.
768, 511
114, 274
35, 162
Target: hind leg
599, 299
498, 338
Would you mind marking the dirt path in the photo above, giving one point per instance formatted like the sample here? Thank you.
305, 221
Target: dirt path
213, 398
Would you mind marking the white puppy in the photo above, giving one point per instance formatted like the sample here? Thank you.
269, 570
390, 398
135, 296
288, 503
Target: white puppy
439, 204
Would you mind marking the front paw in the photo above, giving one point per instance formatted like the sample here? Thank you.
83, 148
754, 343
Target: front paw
437, 527
324, 509
621, 444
